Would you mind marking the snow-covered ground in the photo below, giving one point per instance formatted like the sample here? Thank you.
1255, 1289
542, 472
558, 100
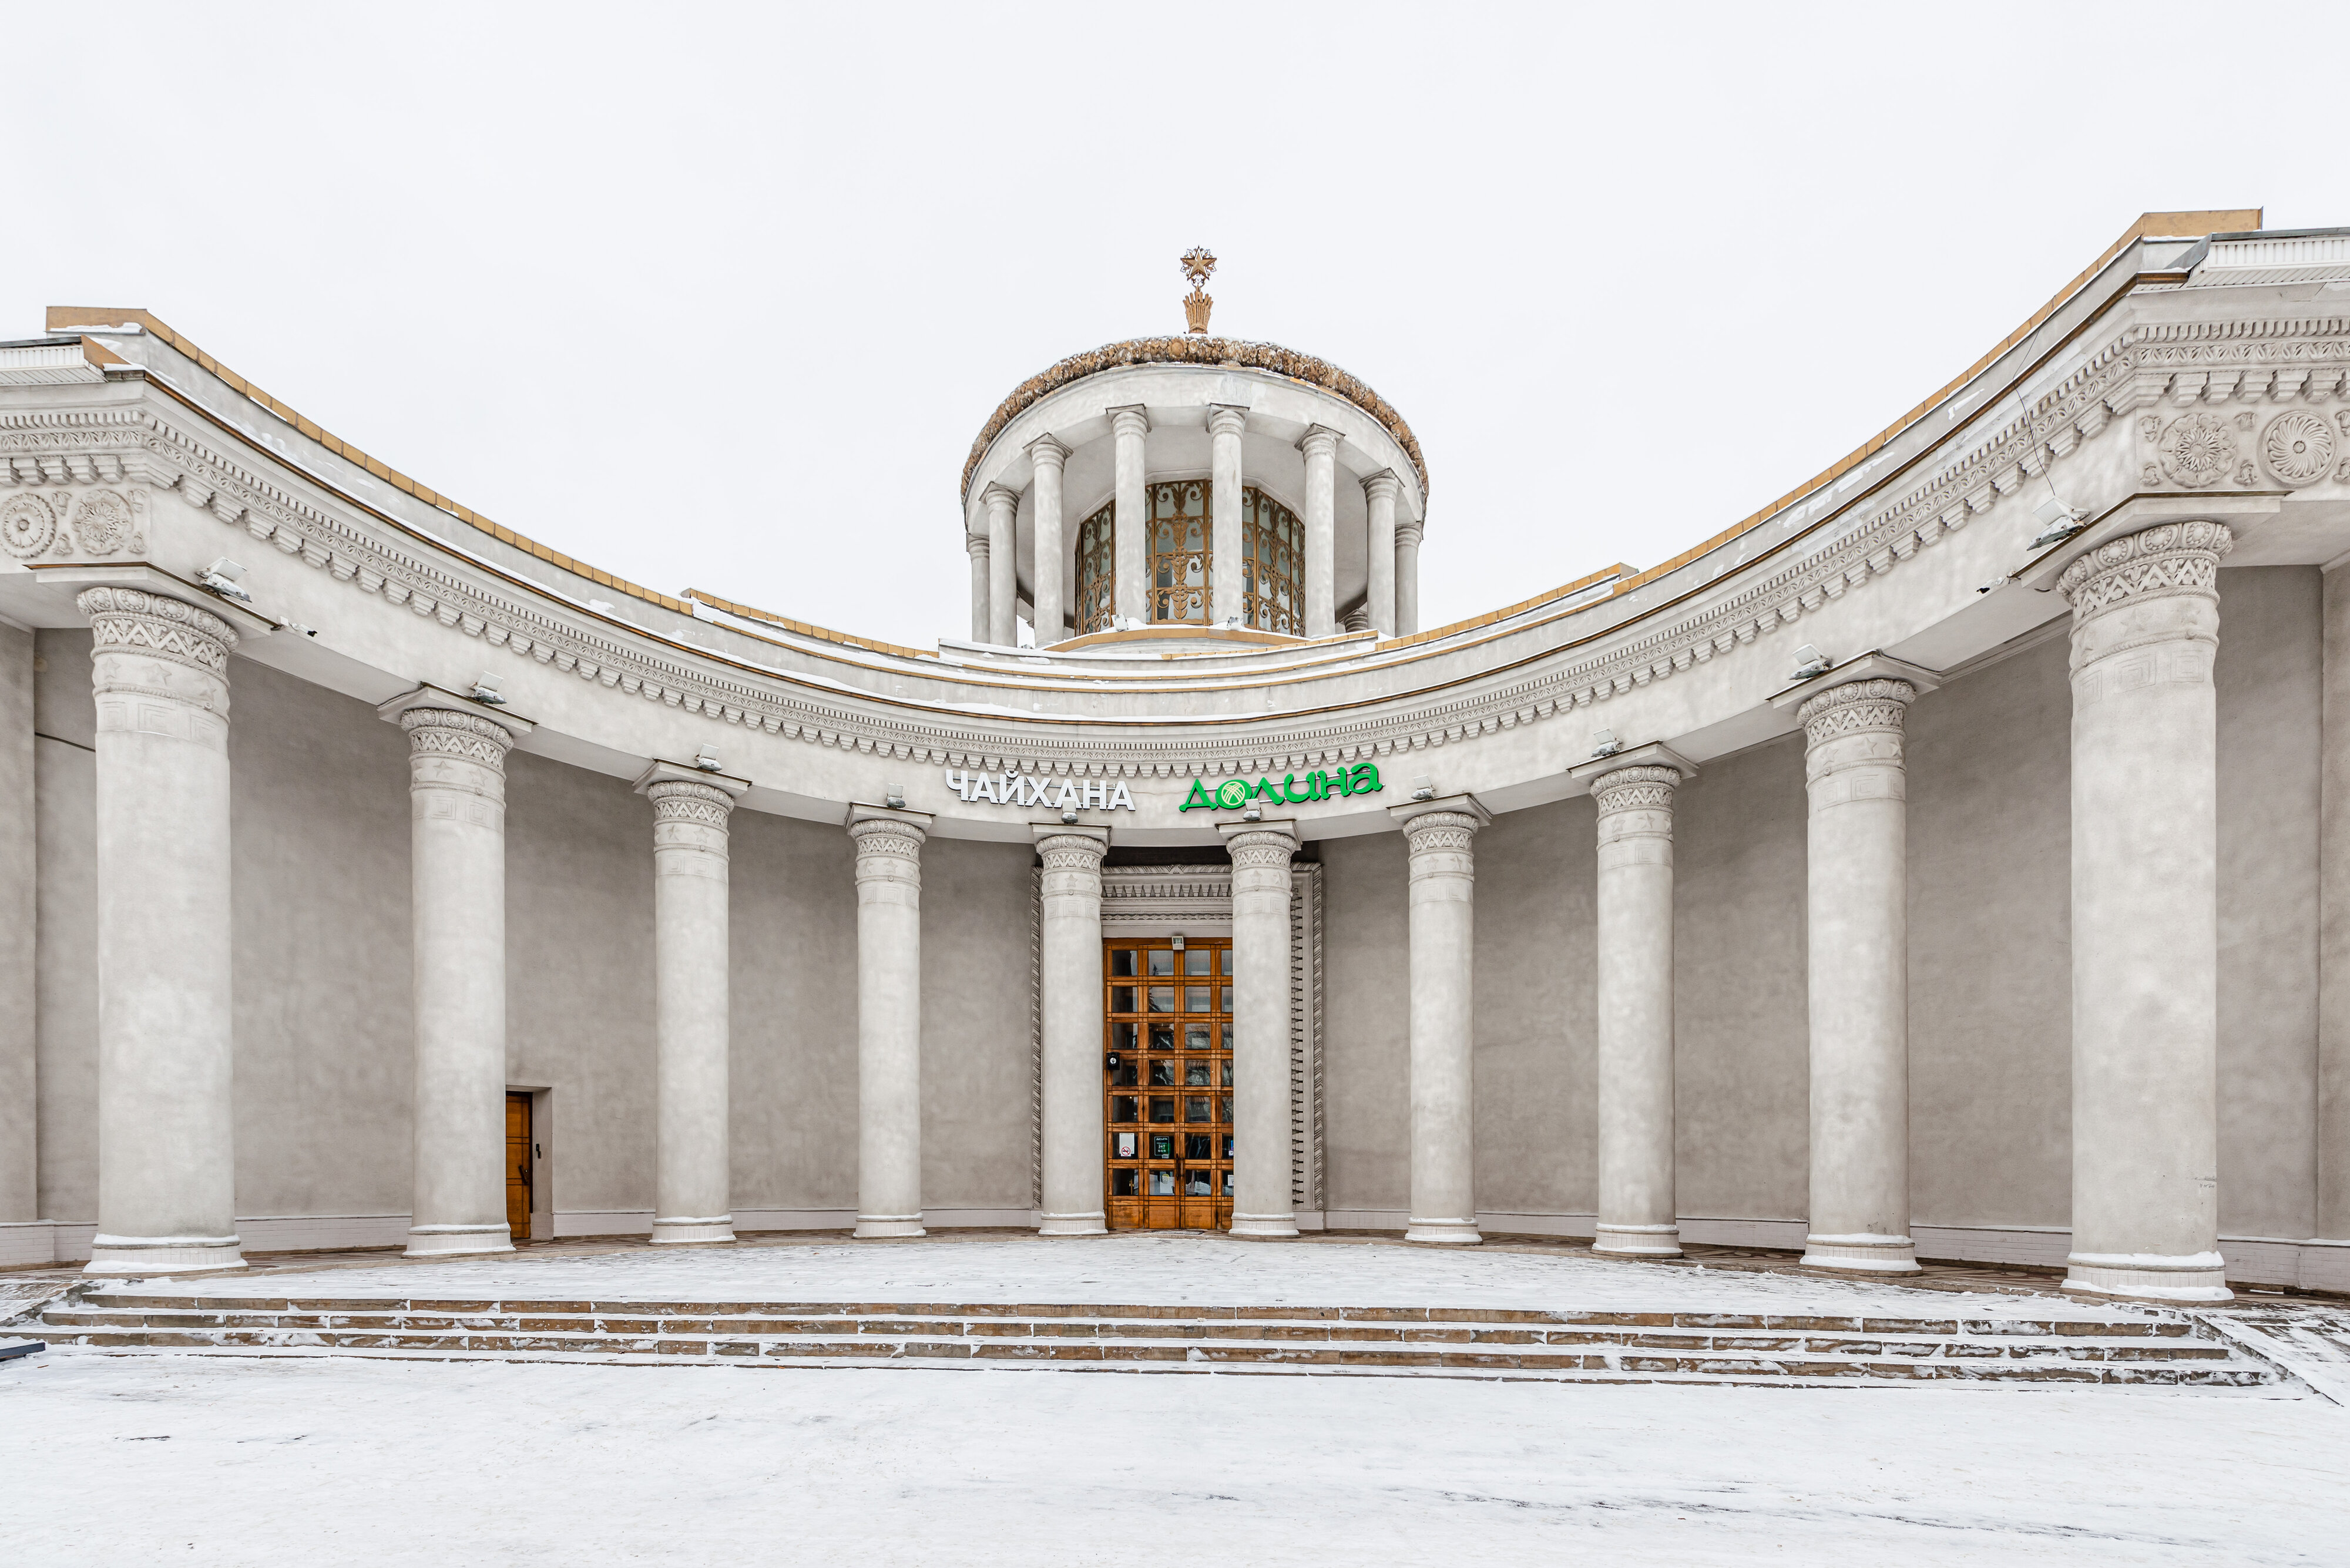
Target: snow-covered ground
1176, 1269
134, 1460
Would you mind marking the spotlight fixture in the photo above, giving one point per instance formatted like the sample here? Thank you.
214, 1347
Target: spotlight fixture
1423, 788
1604, 744
222, 577
895, 797
707, 761
485, 690
2058, 523
1809, 661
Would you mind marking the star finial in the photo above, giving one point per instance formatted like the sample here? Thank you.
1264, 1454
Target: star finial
1197, 263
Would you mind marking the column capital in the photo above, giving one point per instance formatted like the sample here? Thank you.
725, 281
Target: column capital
887, 830
1000, 498
132, 621
1868, 667
1876, 704
677, 781
975, 545
1410, 533
431, 700
1257, 845
1382, 485
1129, 420
1047, 451
1319, 441
1064, 847
1655, 754
2168, 560
1440, 826
1226, 419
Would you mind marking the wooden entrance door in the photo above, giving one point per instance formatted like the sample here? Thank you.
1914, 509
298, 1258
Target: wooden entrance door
519, 1164
1170, 1095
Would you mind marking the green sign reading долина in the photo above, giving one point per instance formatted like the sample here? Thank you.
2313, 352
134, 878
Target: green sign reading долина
1232, 794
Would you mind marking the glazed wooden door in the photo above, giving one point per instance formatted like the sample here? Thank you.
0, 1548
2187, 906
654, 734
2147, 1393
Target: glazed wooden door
518, 1162
1170, 1091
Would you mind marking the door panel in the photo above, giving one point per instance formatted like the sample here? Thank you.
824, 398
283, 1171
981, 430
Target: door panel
518, 1166
1170, 1096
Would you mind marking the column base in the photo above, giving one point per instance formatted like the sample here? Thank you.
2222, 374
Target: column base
680, 1232
1862, 1254
1445, 1232
162, 1254
2197, 1277
445, 1240
888, 1226
1093, 1224
1638, 1240
1264, 1227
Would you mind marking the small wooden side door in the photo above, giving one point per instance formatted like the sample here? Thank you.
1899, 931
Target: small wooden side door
519, 1164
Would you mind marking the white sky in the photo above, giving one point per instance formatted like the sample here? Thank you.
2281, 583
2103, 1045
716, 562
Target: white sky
718, 297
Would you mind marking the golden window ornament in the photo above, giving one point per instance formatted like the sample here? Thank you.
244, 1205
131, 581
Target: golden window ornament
1177, 549
1273, 543
1179, 556
1098, 571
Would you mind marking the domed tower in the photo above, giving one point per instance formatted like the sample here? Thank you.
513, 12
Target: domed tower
1192, 493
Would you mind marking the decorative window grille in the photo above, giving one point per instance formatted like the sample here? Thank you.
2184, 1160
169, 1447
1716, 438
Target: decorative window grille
1181, 562
1098, 571
1180, 557
1274, 542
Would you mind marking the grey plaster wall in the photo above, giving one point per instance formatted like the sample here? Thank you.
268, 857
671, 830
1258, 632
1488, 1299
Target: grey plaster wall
2269, 674
65, 999
1740, 1098
1536, 962
977, 1056
1366, 1037
320, 902
792, 1069
1991, 964
19, 879
579, 975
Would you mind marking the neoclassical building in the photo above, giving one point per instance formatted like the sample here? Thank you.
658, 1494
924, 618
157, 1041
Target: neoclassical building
1952, 860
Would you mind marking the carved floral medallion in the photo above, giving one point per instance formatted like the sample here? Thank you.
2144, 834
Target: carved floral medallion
2197, 450
26, 525
2298, 447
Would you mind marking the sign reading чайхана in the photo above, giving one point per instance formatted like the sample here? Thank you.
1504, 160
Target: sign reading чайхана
1233, 795
1038, 789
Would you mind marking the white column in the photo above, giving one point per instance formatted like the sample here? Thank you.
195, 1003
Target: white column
2146, 628
1407, 579
1050, 457
1859, 979
981, 617
457, 862
1321, 449
889, 1019
692, 1169
1379, 550
1225, 427
1129, 426
166, 1115
1003, 567
1443, 893
1638, 1215
1261, 852
1074, 1040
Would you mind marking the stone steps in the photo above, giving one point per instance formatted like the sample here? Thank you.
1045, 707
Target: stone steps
1705, 1347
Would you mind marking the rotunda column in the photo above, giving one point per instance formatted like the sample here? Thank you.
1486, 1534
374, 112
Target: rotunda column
1639, 1214
693, 1169
457, 868
1379, 550
982, 617
1050, 457
1130, 545
1003, 564
1859, 980
166, 1113
2146, 629
1071, 959
1224, 572
889, 1019
1261, 852
1321, 449
1443, 893
1407, 579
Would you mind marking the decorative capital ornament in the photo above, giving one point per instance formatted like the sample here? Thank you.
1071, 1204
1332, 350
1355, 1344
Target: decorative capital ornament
1197, 263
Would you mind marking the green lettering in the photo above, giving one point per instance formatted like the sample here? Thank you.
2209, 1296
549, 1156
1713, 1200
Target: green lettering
1268, 789
1232, 794
1198, 796
1288, 789
1317, 785
1365, 779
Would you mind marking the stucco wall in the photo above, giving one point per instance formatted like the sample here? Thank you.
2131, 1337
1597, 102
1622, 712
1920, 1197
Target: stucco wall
1366, 1039
19, 879
977, 1091
65, 998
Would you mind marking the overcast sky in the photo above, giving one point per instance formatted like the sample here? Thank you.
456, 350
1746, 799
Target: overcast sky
718, 297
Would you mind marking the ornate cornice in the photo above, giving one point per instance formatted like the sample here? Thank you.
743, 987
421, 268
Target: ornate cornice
1196, 350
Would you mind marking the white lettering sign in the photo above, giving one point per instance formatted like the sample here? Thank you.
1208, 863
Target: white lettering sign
1014, 788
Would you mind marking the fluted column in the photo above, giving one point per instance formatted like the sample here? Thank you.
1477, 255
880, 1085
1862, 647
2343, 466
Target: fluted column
1003, 567
1261, 852
457, 866
982, 626
1638, 1215
1071, 960
1321, 449
692, 1169
1226, 569
1129, 426
889, 1019
1379, 550
1860, 983
166, 1116
1050, 457
1443, 894
2146, 629
1407, 579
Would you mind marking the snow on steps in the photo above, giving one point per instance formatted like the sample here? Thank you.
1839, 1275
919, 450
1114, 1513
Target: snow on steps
1566, 1346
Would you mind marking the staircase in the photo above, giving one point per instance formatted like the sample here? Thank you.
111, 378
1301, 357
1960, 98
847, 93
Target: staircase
1492, 1344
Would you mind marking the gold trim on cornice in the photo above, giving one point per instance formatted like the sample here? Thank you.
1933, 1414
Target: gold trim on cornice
822, 634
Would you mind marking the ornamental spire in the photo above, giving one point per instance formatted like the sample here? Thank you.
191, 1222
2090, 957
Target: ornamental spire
1198, 263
